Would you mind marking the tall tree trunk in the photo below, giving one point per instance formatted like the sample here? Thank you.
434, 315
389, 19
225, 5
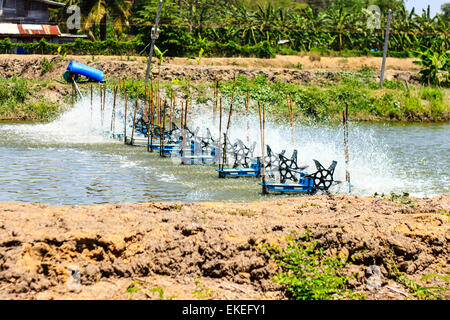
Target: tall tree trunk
103, 28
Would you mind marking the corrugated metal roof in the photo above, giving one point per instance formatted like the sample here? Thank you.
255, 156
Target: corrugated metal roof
9, 28
29, 29
52, 3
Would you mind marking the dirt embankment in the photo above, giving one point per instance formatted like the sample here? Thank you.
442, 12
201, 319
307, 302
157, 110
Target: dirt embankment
284, 68
209, 250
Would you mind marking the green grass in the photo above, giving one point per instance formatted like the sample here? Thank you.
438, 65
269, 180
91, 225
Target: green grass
18, 101
307, 273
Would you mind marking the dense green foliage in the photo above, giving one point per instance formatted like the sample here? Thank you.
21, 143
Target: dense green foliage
342, 26
81, 47
255, 28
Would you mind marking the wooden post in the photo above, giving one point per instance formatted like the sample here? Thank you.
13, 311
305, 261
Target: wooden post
386, 43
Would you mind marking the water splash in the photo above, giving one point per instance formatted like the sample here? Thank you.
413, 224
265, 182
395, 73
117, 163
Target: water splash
381, 159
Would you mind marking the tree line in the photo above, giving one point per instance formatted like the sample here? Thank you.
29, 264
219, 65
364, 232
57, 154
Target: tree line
189, 26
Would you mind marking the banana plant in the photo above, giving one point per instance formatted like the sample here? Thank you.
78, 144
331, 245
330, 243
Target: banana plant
435, 66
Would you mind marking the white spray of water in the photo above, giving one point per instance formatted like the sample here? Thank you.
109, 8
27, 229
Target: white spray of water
370, 167
370, 164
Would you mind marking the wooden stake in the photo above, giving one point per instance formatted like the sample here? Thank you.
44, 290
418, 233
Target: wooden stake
163, 131
186, 112
347, 158
229, 122
73, 92
113, 115
291, 116
182, 115
247, 101
125, 120
262, 125
220, 130
152, 127
134, 119
92, 101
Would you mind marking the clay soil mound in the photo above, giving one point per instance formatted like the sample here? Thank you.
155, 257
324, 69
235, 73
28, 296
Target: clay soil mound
283, 68
211, 248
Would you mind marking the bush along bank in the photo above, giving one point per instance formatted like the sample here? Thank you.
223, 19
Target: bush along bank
319, 102
395, 102
22, 100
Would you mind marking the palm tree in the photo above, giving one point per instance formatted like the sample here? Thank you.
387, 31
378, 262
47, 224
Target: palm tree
96, 13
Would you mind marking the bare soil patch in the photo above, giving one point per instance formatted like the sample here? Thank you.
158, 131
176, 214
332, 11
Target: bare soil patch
211, 247
293, 69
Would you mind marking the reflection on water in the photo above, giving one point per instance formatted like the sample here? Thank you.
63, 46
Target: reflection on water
72, 161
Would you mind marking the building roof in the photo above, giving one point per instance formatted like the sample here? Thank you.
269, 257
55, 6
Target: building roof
52, 3
7, 29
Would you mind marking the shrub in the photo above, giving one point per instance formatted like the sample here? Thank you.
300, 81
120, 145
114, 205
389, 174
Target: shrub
307, 273
314, 56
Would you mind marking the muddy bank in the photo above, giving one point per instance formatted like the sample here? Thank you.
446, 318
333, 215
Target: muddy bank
211, 248
282, 68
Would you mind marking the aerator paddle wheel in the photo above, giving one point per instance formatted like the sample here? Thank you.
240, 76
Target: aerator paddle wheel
323, 178
243, 155
272, 162
289, 167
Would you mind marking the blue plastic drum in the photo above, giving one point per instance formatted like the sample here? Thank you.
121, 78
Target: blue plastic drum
79, 68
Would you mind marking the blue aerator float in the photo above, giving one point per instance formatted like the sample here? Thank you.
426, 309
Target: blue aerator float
76, 69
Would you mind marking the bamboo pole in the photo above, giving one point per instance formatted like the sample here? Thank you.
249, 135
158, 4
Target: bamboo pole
262, 125
186, 112
113, 115
220, 130
247, 102
125, 120
347, 157
73, 92
149, 115
291, 116
152, 127
163, 131
134, 118
92, 101
229, 122
182, 115
172, 104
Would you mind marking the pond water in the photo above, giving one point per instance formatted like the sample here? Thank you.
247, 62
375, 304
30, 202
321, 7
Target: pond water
72, 160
